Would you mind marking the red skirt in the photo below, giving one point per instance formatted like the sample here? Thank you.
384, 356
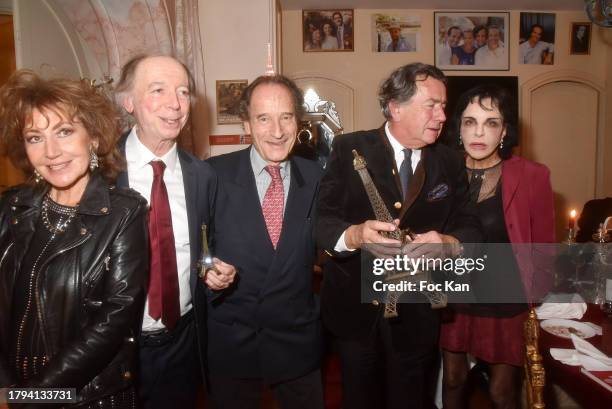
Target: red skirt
491, 339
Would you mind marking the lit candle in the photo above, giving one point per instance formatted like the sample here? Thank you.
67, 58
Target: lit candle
572, 219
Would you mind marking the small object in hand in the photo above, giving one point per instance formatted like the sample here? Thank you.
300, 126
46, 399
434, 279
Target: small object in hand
206, 266
205, 262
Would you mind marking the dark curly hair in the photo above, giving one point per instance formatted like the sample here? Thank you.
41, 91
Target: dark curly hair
296, 94
25, 92
500, 99
402, 84
478, 29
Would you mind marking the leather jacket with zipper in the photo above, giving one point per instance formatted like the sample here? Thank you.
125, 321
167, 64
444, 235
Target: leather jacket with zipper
90, 293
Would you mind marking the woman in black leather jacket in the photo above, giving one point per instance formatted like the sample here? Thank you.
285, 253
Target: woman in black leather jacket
73, 249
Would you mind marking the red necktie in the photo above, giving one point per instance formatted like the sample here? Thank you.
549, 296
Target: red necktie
273, 204
163, 284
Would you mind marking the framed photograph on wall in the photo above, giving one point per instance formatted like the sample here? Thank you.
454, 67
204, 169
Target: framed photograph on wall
472, 40
327, 30
537, 39
228, 101
396, 33
580, 41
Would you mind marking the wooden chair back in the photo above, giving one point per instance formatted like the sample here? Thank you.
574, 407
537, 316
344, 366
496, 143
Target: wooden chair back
535, 376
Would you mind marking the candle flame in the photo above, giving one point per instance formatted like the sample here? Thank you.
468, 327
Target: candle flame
573, 214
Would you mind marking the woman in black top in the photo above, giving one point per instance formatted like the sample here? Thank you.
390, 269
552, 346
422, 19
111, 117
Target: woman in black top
514, 201
73, 249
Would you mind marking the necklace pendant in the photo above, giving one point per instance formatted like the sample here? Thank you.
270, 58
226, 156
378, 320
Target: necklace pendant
61, 225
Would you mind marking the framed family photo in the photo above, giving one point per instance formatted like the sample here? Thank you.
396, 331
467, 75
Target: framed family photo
228, 101
580, 42
472, 40
327, 30
396, 33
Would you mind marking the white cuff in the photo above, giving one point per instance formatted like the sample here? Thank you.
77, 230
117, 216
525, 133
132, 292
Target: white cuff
341, 244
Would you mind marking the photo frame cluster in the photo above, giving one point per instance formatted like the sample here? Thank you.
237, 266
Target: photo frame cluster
463, 41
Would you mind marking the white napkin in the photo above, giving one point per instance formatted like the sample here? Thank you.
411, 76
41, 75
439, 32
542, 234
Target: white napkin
596, 328
591, 358
567, 356
573, 307
585, 355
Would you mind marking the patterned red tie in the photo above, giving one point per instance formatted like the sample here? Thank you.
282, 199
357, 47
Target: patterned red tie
163, 284
273, 204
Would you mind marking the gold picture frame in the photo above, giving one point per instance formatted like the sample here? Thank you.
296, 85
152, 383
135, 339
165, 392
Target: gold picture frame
327, 30
228, 101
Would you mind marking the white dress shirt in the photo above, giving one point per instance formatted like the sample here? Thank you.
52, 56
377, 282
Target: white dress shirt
533, 55
340, 36
398, 155
398, 151
445, 54
140, 175
496, 58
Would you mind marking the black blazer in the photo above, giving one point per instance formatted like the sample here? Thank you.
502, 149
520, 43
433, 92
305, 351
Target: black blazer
437, 200
267, 324
200, 183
